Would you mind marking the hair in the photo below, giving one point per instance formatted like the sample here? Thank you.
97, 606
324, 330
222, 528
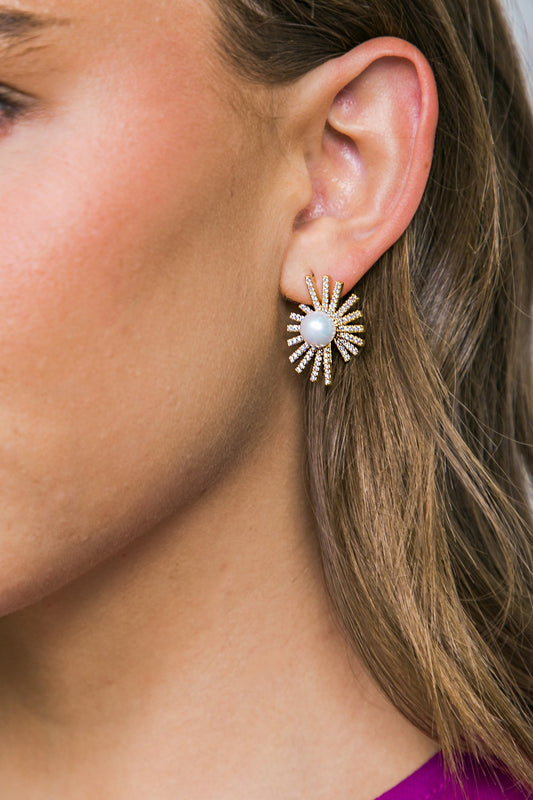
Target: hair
418, 456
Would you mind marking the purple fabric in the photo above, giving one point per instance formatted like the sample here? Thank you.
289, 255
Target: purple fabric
430, 782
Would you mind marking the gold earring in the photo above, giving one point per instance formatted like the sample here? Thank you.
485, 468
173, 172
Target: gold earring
321, 325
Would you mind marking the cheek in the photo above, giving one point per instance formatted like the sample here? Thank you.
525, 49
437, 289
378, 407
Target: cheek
117, 323
82, 197
107, 214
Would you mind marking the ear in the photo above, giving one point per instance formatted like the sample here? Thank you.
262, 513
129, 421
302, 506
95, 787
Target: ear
361, 128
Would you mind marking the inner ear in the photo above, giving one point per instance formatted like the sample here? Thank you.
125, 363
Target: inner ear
334, 178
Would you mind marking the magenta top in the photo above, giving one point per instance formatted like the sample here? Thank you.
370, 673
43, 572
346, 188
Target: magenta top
430, 782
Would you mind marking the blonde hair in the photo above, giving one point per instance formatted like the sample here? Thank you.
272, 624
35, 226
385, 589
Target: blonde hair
418, 456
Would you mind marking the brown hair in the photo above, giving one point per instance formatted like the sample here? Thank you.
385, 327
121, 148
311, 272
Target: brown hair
418, 454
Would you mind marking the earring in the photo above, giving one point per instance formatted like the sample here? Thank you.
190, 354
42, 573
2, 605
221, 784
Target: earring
321, 325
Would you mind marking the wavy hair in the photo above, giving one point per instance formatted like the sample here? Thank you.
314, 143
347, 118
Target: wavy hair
419, 456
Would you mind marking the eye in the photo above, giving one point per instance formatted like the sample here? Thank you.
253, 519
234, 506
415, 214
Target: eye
12, 106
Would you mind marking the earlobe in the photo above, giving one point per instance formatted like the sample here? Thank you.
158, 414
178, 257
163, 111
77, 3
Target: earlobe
367, 146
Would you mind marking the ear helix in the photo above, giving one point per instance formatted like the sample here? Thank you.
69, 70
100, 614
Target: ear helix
318, 327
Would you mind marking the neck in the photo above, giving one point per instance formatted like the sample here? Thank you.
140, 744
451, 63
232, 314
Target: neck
214, 628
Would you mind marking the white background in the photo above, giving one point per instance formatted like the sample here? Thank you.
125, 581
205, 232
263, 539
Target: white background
521, 16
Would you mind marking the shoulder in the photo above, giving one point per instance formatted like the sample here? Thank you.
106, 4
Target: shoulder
478, 781
481, 781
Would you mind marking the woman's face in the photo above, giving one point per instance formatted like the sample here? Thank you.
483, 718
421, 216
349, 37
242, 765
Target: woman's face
139, 329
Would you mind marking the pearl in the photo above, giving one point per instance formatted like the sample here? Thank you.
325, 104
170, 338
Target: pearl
318, 329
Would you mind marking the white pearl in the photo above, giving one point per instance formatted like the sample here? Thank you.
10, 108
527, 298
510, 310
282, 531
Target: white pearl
318, 329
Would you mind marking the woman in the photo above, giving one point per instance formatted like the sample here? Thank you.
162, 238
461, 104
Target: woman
220, 579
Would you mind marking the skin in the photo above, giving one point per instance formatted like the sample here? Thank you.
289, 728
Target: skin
165, 627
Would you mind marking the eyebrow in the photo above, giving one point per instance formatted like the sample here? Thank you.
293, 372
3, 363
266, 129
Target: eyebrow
16, 25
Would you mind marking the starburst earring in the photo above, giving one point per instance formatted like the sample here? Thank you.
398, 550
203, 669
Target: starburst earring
321, 325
